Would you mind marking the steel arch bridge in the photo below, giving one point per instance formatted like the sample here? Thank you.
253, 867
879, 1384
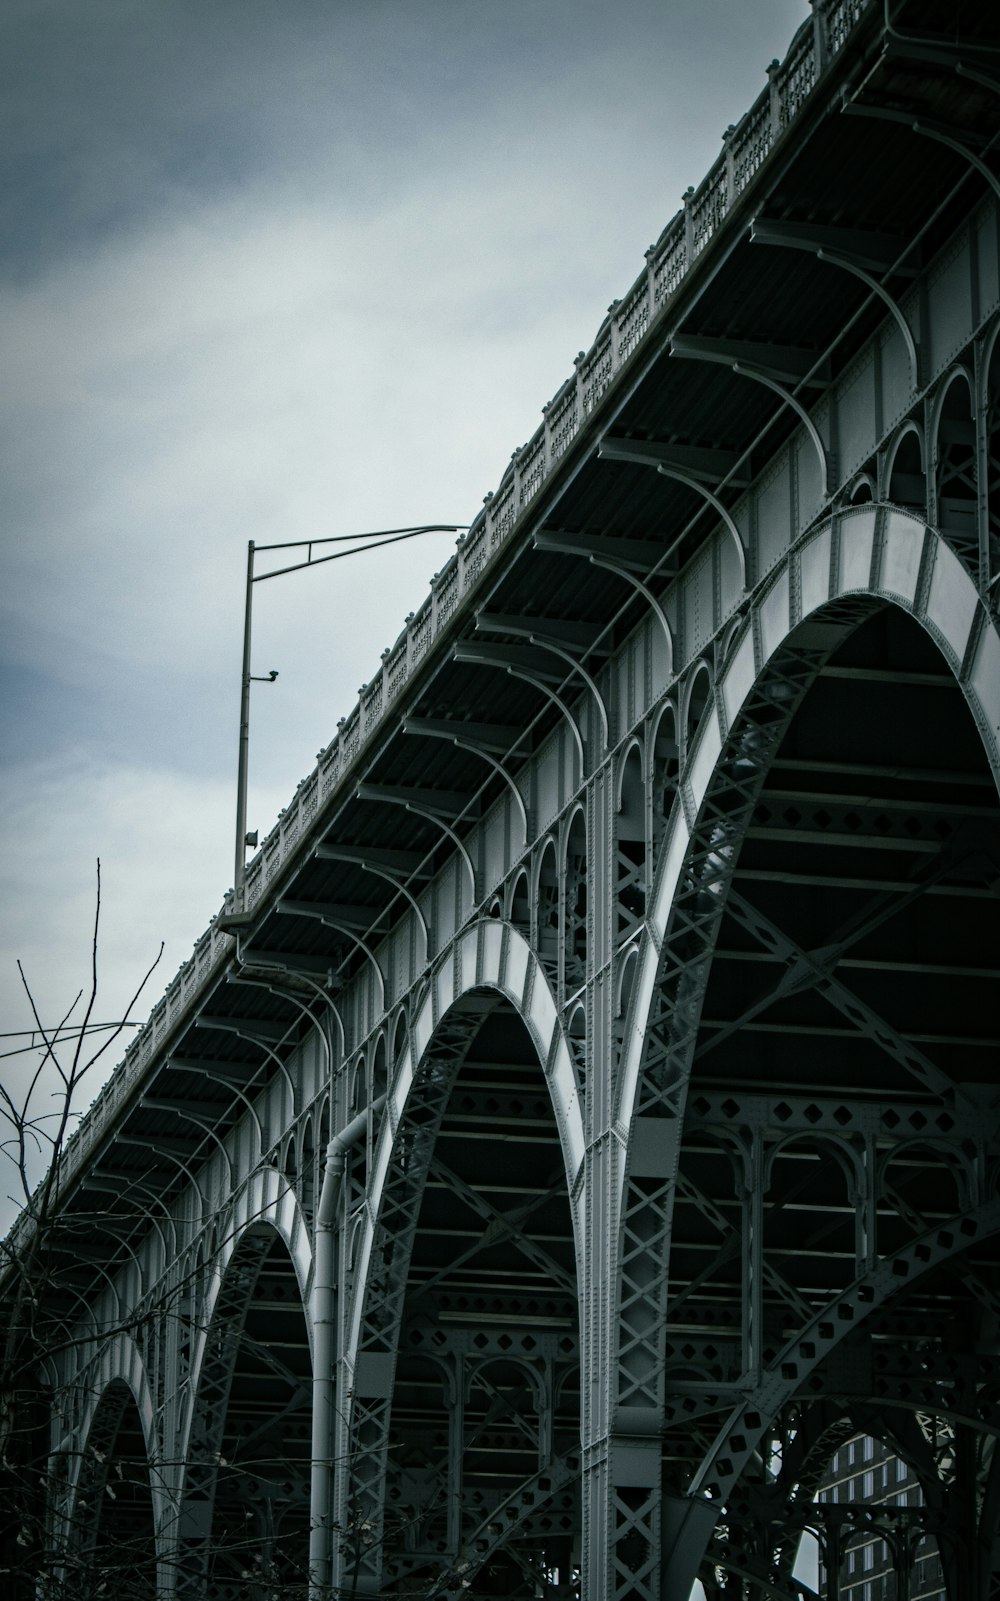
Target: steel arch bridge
591, 1118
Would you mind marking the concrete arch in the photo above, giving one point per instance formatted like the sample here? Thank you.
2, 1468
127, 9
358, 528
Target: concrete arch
877, 552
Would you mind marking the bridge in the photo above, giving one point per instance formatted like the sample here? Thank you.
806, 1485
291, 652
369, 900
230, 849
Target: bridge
588, 1120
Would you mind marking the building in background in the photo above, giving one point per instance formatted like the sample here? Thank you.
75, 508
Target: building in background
880, 1533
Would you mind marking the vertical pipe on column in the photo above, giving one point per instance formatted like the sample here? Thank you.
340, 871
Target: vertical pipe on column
323, 1312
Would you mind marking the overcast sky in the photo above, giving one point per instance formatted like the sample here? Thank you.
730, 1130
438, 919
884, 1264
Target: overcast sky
275, 269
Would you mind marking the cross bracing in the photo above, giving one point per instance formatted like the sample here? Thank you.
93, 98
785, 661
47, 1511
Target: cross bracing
591, 1121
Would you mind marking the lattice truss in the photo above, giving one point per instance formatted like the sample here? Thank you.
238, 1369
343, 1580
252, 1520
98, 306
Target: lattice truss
246, 1502
664, 1057
792, 1259
466, 1386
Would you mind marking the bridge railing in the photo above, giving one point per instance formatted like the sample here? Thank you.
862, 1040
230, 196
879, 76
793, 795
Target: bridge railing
622, 334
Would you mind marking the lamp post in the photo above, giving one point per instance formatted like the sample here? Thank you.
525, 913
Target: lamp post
370, 541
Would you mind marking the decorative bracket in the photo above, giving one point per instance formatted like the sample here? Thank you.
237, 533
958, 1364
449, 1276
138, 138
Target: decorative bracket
957, 139
687, 465
520, 663
480, 739
563, 639
602, 552
854, 251
385, 864
433, 804
775, 366
345, 920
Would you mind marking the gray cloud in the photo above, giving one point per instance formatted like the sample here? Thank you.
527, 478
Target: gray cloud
279, 271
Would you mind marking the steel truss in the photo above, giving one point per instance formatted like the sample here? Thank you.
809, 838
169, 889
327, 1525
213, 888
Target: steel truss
531, 1201
728, 1387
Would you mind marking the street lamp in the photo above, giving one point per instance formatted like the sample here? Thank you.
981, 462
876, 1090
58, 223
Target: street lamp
372, 541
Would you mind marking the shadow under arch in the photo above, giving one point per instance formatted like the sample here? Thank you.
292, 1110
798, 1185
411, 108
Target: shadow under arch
245, 1508
472, 1267
111, 1539
821, 903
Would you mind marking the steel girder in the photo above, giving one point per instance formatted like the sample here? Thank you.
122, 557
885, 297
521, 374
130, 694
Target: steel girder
669, 1029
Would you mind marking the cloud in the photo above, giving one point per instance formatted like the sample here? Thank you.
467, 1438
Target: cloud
157, 833
278, 272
